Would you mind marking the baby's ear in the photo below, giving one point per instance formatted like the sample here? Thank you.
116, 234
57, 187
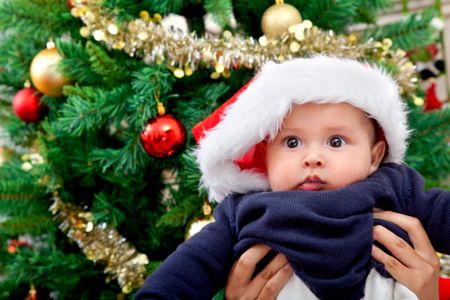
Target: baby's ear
377, 155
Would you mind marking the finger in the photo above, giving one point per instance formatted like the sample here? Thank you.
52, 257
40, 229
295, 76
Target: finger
275, 265
243, 268
258, 284
399, 248
391, 264
251, 288
276, 283
415, 231
410, 224
423, 281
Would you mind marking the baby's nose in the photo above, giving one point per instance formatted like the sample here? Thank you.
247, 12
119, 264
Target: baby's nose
312, 161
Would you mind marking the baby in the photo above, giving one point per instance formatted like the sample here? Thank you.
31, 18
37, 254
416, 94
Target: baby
299, 158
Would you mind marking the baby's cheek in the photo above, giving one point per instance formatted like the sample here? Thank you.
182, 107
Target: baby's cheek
274, 184
280, 180
352, 175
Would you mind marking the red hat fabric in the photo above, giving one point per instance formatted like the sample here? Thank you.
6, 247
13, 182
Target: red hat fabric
213, 119
230, 148
254, 158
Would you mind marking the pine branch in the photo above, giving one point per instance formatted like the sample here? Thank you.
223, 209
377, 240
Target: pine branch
428, 150
105, 210
88, 109
78, 116
88, 93
20, 196
16, 190
49, 269
188, 205
368, 10
23, 205
221, 10
435, 123
33, 224
125, 161
27, 17
198, 104
179, 216
12, 170
76, 64
6, 95
105, 66
125, 10
17, 185
67, 157
151, 84
330, 14
153, 79
164, 7
377, 4
15, 59
415, 31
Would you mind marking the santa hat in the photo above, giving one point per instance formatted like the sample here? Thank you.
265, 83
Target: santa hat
228, 140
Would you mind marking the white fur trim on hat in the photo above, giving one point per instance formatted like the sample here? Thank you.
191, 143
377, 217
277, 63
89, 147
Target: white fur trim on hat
259, 111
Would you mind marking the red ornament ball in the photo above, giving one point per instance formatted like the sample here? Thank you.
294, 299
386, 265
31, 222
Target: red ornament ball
163, 136
27, 105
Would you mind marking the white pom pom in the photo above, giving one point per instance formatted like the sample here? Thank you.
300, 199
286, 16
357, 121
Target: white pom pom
437, 23
175, 24
211, 26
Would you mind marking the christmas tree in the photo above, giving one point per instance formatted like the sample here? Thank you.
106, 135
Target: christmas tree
98, 183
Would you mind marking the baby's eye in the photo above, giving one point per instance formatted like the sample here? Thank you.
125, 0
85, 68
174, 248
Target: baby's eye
292, 142
336, 142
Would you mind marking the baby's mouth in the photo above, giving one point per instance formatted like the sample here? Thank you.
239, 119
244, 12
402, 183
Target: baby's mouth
311, 183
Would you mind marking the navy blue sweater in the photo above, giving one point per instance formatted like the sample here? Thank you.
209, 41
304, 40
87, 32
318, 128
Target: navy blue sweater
326, 235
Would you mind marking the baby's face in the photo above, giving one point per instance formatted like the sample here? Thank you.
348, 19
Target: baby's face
322, 147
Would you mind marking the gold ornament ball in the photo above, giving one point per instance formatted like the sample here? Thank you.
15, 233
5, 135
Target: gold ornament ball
277, 19
196, 225
44, 74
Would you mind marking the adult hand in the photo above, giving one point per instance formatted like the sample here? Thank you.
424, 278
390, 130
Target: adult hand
266, 284
416, 268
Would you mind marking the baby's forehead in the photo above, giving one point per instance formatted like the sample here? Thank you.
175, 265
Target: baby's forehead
318, 110
330, 115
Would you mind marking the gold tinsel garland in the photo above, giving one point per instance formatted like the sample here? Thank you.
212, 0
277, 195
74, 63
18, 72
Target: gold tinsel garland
102, 243
184, 53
